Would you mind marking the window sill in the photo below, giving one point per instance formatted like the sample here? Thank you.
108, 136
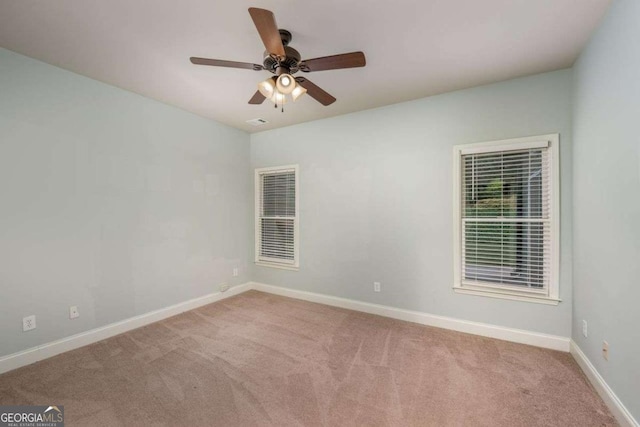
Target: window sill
278, 266
508, 296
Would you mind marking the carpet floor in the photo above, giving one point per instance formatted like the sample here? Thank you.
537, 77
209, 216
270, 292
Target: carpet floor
262, 360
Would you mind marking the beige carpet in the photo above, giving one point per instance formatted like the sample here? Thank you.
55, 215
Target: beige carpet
258, 359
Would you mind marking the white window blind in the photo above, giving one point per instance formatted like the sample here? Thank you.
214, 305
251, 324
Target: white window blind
506, 223
277, 216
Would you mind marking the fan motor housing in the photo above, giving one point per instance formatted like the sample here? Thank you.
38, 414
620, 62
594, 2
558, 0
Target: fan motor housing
289, 62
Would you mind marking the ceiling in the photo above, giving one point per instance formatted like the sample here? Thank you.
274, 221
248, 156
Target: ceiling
413, 48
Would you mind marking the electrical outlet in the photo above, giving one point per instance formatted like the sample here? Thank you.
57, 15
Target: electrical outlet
376, 286
28, 323
224, 287
585, 328
73, 312
236, 272
605, 350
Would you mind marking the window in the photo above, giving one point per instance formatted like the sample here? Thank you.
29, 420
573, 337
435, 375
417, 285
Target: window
277, 221
506, 228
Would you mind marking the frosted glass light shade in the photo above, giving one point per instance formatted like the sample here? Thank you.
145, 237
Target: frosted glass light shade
268, 87
297, 92
285, 83
278, 98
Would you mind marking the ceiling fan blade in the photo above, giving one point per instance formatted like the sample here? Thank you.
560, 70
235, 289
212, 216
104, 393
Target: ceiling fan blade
265, 23
257, 98
334, 62
316, 92
222, 63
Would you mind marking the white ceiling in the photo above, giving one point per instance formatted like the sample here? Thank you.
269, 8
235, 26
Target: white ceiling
413, 48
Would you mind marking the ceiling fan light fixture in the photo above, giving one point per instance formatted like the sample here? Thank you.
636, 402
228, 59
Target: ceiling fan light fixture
268, 87
297, 92
285, 83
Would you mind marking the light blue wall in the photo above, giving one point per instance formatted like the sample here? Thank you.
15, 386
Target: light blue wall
606, 200
376, 197
110, 201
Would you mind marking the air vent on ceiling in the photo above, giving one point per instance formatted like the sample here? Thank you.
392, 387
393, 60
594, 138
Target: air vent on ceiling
257, 122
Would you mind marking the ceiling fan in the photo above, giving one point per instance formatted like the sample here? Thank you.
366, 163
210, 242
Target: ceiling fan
284, 61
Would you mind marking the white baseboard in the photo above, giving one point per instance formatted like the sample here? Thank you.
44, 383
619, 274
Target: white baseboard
616, 407
34, 354
553, 342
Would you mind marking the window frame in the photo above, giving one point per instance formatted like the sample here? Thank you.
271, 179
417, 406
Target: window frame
552, 296
272, 262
